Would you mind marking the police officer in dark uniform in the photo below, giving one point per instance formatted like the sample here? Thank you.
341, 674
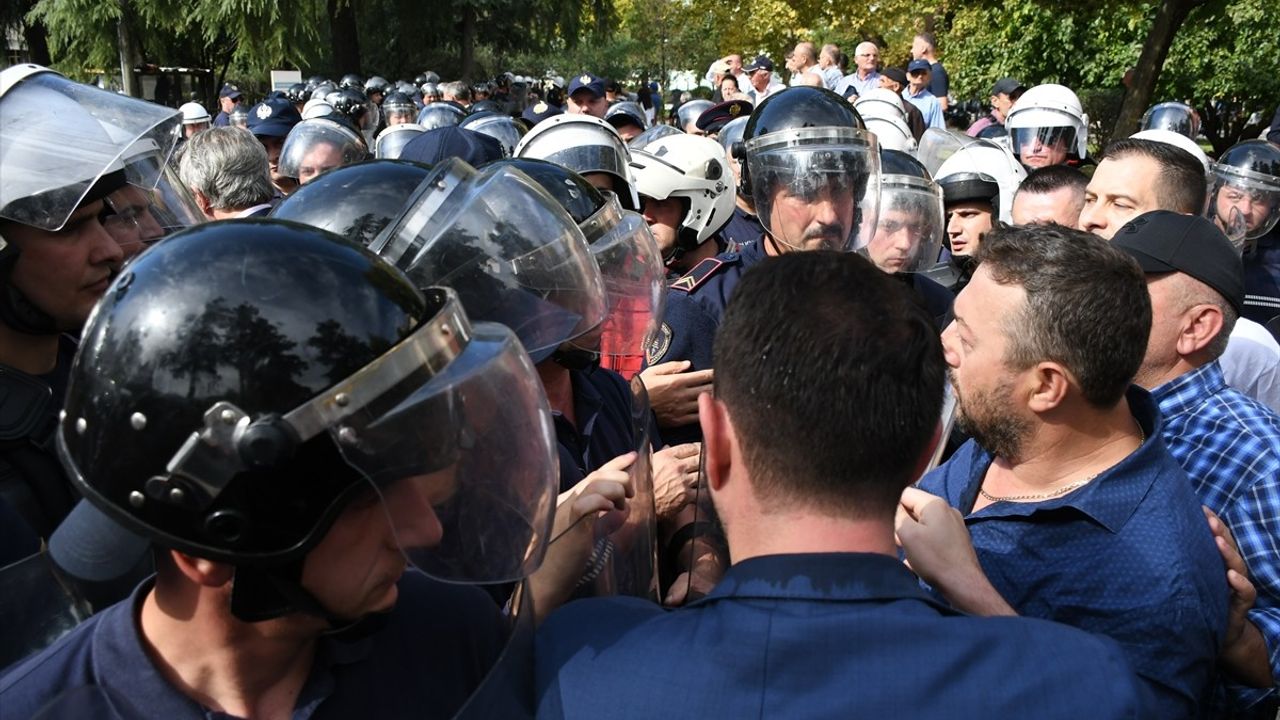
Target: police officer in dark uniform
813, 173
744, 227
1245, 202
391, 428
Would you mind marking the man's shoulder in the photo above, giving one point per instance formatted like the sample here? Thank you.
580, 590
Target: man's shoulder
34, 683
605, 622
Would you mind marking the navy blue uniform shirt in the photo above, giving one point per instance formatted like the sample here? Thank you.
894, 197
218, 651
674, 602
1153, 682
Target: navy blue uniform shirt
742, 229
1262, 278
1128, 555
437, 645
834, 635
602, 403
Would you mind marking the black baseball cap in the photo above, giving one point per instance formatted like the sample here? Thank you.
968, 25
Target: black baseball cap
588, 82
1008, 86
897, 75
273, 117
762, 62
1163, 242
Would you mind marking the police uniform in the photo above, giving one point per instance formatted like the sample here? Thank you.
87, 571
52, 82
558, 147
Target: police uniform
602, 403
1262, 279
936, 298
742, 229
695, 304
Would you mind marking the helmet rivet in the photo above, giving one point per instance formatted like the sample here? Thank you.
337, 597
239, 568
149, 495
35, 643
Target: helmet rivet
228, 417
347, 436
342, 399
62, 415
81, 426
138, 421
136, 499
176, 495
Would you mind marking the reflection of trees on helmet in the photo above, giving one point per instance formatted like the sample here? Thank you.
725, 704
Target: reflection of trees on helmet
1245, 195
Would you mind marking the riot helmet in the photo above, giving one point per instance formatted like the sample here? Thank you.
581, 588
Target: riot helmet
319, 144
356, 201
654, 133
502, 128
1245, 197
391, 142
909, 231
430, 92
626, 113
1179, 140
687, 114
980, 170
578, 197
881, 109
586, 145
377, 84
351, 81
227, 405
322, 90
297, 93
509, 250
314, 82
1048, 126
193, 113
731, 132
694, 171
1174, 116
812, 170
484, 106
440, 114
358, 109
399, 108
239, 117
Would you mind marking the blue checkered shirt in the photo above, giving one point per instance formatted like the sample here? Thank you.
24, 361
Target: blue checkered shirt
1229, 445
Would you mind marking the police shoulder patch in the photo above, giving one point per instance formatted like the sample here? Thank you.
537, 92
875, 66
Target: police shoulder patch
698, 275
658, 345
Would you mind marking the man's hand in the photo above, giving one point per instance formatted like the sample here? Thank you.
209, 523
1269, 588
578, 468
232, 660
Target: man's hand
573, 533
675, 478
938, 549
697, 582
1244, 651
673, 391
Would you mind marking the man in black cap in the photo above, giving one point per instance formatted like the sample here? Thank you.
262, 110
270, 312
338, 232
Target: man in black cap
1228, 443
539, 111
760, 73
1004, 94
717, 116
270, 121
586, 96
228, 99
895, 79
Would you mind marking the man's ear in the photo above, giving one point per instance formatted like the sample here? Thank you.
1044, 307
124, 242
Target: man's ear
1049, 383
201, 571
1200, 325
203, 202
718, 439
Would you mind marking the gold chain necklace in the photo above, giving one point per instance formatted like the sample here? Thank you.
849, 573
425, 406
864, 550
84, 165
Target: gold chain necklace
1142, 438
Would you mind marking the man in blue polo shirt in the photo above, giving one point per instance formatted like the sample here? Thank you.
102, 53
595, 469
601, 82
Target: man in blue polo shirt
1066, 505
1228, 443
917, 93
817, 617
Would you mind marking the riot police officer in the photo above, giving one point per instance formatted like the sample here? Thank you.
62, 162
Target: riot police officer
1244, 200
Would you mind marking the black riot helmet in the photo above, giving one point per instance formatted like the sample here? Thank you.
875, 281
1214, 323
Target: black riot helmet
316, 81
297, 93
578, 197
376, 84
485, 106
351, 81
1245, 196
792, 109
231, 407
355, 201
441, 114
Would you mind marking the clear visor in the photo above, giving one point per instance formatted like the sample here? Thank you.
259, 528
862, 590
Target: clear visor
317, 145
391, 142
588, 158
909, 231
451, 429
892, 134
1052, 144
502, 129
57, 137
816, 188
652, 135
1245, 204
507, 248
624, 559
936, 146
137, 216
438, 115
399, 109
634, 282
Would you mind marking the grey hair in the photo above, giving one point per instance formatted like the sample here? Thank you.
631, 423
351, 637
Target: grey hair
228, 166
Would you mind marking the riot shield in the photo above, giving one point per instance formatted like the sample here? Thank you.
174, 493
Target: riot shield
507, 691
36, 608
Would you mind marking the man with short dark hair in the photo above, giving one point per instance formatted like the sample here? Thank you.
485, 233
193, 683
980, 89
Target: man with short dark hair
925, 47
1004, 94
1228, 443
816, 613
1066, 504
586, 96
1053, 194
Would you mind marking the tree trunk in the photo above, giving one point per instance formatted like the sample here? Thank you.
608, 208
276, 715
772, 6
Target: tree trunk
468, 45
130, 55
1137, 98
37, 43
343, 37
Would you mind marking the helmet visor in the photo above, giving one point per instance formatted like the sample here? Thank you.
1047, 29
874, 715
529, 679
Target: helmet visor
438, 115
908, 235
1245, 204
463, 457
653, 134
317, 145
634, 282
391, 142
1041, 146
816, 188
937, 145
1175, 117
510, 251
500, 128
58, 137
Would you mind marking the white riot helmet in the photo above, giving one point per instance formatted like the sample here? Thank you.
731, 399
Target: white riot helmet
982, 170
1180, 141
693, 169
1048, 117
881, 109
194, 113
586, 145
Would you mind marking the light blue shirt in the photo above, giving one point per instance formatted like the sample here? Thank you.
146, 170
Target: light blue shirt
928, 105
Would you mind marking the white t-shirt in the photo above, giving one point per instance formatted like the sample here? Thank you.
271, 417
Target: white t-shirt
1251, 363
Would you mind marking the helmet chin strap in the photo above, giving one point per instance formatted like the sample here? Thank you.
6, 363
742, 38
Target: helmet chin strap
259, 594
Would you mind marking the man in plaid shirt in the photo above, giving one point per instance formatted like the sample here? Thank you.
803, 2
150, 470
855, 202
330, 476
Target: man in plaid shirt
1226, 442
